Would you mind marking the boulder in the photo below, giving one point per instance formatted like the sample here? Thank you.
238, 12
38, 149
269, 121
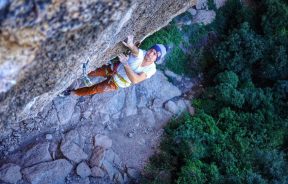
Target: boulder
97, 172
192, 11
83, 170
73, 152
53, 172
75, 137
37, 154
97, 156
102, 141
171, 107
10, 173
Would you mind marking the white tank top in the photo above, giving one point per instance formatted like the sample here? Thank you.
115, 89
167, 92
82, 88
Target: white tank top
134, 62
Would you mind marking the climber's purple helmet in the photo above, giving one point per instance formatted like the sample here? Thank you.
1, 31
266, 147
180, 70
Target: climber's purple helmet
162, 49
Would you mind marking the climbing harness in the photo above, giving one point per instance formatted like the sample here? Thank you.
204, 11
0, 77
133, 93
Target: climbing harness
85, 78
114, 72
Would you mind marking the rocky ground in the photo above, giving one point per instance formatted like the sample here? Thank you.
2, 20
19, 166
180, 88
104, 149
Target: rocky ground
98, 139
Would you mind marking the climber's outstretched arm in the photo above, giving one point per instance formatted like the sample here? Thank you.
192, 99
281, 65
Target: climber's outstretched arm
130, 44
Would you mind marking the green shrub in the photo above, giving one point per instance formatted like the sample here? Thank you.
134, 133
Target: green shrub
239, 131
228, 77
240, 51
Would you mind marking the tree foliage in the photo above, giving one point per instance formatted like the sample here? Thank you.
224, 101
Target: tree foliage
239, 133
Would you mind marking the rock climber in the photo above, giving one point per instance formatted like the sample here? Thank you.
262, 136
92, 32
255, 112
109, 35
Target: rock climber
138, 66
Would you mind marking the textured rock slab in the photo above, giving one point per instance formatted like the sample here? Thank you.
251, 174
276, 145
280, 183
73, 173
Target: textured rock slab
83, 170
10, 173
38, 153
73, 152
49, 172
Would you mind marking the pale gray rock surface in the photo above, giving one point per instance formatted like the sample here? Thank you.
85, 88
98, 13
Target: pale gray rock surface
37, 154
97, 172
10, 173
48, 172
74, 137
73, 152
83, 170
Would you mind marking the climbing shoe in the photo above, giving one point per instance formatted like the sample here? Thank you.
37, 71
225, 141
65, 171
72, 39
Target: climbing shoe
65, 93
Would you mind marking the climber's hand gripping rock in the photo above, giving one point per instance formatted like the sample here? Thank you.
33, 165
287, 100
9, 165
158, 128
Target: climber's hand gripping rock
123, 59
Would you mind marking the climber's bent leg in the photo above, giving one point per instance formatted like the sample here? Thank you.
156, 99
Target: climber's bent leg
104, 71
102, 87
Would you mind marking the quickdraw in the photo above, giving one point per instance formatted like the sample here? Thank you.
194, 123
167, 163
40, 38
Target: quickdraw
85, 78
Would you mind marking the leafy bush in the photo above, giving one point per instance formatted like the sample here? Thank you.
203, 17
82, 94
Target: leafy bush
240, 51
239, 132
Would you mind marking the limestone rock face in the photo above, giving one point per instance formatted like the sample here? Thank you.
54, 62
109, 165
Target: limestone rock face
44, 43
